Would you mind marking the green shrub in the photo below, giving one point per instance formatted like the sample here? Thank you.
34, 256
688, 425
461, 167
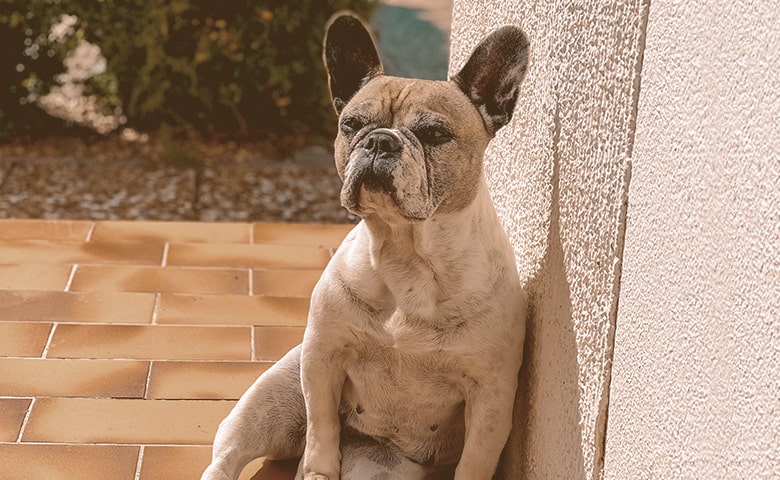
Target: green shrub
217, 66
17, 26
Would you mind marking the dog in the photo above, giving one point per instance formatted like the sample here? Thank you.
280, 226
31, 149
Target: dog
409, 363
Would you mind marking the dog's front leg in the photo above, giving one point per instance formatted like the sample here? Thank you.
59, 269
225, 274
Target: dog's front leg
488, 423
322, 376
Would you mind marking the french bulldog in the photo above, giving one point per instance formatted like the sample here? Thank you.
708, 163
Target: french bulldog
409, 363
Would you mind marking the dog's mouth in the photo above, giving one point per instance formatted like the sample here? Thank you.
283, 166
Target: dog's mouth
371, 169
369, 180
374, 188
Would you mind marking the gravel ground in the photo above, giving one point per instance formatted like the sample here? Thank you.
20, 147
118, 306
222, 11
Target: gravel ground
304, 189
116, 179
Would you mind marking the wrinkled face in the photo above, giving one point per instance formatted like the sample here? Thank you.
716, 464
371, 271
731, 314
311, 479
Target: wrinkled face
408, 149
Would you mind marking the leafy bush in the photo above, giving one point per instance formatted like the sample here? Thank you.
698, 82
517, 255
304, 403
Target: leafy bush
17, 26
218, 66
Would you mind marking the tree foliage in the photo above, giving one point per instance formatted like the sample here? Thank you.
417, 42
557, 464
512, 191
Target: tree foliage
219, 66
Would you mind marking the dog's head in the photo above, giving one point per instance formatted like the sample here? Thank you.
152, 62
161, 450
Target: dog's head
408, 148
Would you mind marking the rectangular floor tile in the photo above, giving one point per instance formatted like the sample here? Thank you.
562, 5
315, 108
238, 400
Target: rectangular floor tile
285, 283
161, 462
261, 469
34, 277
12, 412
104, 307
60, 251
96, 420
178, 232
203, 380
155, 342
72, 377
66, 462
44, 229
190, 461
271, 343
232, 309
260, 256
102, 278
322, 235
23, 339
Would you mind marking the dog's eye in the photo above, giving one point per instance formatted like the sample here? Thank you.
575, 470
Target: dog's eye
433, 135
351, 125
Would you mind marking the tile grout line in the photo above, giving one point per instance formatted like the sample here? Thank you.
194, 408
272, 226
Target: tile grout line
251, 286
210, 361
46, 347
164, 262
139, 462
90, 231
70, 277
252, 343
230, 268
148, 379
25, 420
117, 444
155, 308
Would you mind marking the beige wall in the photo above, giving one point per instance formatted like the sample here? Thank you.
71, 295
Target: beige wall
696, 376
557, 174
695, 388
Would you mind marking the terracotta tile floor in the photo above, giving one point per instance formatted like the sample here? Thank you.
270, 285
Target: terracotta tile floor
123, 344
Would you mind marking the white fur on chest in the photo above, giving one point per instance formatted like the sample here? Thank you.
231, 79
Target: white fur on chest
398, 388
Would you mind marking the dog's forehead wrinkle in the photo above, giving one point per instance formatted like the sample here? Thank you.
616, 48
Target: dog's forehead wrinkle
360, 110
402, 96
411, 94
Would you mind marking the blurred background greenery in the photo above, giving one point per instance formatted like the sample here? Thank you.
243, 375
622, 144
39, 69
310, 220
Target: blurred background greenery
185, 109
207, 65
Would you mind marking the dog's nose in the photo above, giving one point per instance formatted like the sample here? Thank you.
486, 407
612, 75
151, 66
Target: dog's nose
382, 140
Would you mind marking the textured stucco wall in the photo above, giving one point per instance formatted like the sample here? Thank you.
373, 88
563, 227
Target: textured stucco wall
557, 174
696, 378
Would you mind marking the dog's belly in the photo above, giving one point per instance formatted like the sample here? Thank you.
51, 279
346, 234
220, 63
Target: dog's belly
408, 401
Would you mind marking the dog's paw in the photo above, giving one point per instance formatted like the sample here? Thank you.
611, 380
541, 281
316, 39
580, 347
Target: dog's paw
214, 473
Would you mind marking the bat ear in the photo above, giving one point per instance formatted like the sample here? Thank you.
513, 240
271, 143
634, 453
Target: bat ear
493, 74
351, 58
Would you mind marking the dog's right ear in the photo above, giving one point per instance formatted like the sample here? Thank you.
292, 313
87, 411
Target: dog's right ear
351, 58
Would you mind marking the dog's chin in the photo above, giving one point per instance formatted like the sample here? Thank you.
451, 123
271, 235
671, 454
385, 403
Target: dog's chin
365, 202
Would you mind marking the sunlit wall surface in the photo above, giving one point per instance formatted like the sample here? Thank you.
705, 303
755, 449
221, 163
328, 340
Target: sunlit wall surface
639, 182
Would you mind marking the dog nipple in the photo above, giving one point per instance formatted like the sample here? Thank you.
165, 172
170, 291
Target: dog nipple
359, 409
434, 427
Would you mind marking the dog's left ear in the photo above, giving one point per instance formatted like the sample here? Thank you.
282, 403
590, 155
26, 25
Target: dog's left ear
493, 74
351, 58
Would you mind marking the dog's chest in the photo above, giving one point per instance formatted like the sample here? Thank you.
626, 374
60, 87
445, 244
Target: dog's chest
388, 373
405, 389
